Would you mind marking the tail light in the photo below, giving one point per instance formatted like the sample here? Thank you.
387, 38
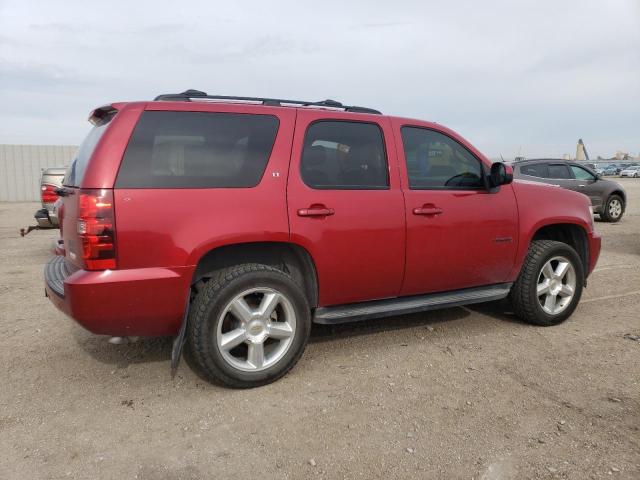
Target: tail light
48, 193
96, 229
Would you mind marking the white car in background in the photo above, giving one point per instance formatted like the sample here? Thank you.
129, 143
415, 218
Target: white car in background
632, 171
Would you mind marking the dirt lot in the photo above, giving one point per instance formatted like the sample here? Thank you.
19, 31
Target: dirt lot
461, 393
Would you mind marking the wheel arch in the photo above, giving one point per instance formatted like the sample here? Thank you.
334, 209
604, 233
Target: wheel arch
572, 234
288, 257
620, 193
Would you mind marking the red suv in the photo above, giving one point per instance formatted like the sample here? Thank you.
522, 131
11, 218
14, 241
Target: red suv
234, 223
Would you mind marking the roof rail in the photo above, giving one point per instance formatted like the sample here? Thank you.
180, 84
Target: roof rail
187, 95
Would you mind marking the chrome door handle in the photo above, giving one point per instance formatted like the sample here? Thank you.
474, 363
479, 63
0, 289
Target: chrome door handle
315, 212
428, 211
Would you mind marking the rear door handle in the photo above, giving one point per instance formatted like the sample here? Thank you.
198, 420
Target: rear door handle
427, 210
315, 212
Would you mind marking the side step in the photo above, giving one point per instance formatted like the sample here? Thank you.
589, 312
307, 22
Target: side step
404, 305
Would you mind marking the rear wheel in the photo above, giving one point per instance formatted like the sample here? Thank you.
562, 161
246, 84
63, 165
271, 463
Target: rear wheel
549, 286
613, 209
248, 326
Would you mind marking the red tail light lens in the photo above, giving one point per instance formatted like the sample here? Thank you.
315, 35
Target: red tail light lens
96, 229
48, 193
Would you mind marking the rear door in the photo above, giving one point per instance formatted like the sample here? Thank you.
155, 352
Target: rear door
345, 204
559, 174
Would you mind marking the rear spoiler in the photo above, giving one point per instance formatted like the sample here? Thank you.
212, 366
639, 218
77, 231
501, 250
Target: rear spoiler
102, 114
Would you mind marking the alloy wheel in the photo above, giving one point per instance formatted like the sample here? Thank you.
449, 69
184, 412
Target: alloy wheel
615, 208
256, 329
556, 285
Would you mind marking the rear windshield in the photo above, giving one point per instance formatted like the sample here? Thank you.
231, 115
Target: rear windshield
76, 170
197, 150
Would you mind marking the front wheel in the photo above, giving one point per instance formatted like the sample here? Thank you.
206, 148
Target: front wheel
613, 209
549, 286
248, 326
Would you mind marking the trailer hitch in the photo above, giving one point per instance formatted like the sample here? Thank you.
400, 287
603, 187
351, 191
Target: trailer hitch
29, 229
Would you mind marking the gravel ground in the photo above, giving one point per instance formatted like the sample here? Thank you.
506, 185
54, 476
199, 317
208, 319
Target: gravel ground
467, 393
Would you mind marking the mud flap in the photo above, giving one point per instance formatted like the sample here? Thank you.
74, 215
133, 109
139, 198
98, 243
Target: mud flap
178, 342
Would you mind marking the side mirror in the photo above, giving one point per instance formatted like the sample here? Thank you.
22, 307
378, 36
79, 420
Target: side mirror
501, 174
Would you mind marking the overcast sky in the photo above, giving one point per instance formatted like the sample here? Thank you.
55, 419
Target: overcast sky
510, 76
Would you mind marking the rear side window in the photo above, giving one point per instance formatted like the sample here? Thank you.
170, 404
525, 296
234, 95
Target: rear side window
76, 170
435, 161
534, 170
344, 156
559, 171
197, 150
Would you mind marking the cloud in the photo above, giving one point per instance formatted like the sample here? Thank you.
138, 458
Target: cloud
531, 75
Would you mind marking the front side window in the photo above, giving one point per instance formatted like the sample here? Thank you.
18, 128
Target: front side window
582, 174
437, 161
344, 156
559, 171
197, 150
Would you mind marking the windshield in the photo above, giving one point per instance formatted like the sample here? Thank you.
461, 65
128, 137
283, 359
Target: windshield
76, 170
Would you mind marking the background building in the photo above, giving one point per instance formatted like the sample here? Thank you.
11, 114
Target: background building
21, 166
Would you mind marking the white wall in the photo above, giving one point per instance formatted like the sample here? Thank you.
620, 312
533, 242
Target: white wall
21, 166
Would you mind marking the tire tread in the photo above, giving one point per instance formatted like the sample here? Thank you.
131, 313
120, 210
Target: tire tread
196, 328
524, 305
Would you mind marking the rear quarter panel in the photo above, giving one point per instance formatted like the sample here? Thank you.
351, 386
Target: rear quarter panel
176, 227
104, 164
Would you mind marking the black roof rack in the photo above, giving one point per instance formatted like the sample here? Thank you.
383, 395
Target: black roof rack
187, 95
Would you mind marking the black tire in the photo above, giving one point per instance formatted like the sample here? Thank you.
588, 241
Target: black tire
524, 295
207, 308
606, 215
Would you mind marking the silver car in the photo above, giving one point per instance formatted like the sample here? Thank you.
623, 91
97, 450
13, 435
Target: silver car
51, 179
632, 171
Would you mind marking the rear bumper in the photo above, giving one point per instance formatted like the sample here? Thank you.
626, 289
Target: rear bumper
136, 302
43, 220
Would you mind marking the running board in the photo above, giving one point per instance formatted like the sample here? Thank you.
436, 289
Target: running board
404, 305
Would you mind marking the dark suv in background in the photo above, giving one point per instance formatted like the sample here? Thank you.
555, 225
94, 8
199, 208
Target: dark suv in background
608, 198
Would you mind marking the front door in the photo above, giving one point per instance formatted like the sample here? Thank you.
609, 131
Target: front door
346, 206
459, 235
588, 184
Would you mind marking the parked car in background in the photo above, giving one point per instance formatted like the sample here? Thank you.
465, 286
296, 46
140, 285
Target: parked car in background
235, 223
50, 181
612, 170
631, 171
608, 198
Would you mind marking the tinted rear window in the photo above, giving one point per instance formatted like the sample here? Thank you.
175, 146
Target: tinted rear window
344, 156
76, 170
534, 170
559, 171
197, 150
